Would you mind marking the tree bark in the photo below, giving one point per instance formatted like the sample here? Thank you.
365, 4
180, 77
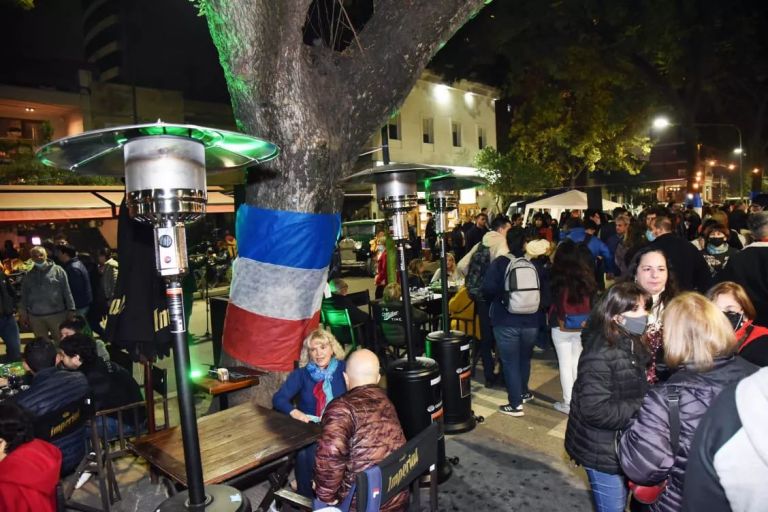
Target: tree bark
318, 104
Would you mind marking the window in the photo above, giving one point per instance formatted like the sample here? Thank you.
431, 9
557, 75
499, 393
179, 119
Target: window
393, 127
456, 134
482, 140
427, 131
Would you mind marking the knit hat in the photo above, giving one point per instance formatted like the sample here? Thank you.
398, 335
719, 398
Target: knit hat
536, 248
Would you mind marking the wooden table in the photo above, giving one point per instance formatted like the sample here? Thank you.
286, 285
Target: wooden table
216, 388
232, 443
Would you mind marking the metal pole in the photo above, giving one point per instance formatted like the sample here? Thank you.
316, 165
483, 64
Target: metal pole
444, 284
189, 436
406, 300
741, 165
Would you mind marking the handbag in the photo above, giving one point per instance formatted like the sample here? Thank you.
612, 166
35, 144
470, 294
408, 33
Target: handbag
318, 504
647, 494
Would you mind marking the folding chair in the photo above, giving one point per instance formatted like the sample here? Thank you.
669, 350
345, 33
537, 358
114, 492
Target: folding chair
401, 469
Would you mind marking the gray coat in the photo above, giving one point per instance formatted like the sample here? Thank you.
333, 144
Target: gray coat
645, 449
45, 291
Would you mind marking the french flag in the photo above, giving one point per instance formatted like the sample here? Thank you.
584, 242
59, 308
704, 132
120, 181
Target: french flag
277, 284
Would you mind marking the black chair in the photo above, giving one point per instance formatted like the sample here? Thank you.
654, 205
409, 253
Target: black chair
390, 330
401, 469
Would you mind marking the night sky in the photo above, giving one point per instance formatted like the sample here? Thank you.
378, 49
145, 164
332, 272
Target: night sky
169, 44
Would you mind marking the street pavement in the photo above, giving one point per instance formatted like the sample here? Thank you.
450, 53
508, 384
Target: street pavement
505, 463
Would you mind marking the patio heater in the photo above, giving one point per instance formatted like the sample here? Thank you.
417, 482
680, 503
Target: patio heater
413, 383
450, 348
165, 169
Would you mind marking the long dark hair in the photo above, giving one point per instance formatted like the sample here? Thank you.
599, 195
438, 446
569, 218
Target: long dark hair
670, 289
619, 298
571, 273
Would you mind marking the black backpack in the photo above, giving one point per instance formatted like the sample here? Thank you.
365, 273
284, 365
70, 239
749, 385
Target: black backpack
478, 264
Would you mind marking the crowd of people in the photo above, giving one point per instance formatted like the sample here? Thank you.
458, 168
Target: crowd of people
62, 299
651, 317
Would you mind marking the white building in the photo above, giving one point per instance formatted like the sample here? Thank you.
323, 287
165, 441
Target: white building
445, 125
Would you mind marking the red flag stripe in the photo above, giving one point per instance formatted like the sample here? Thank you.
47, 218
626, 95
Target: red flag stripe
279, 342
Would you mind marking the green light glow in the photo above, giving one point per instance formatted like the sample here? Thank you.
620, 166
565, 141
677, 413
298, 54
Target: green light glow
195, 374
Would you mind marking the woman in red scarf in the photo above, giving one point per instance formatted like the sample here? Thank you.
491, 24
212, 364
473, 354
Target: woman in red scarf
751, 339
318, 380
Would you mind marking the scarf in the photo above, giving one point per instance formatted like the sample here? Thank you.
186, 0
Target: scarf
323, 391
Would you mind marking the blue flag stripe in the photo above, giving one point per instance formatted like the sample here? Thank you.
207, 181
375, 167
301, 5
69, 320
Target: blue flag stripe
290, 239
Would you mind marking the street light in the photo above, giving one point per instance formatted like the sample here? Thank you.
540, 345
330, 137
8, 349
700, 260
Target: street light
661, 122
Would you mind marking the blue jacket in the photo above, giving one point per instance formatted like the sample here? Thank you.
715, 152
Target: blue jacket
300, 384
79, 283
51, 389
493, 291
596, 246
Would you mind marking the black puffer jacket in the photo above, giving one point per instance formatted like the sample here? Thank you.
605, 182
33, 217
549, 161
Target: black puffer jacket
646, 449
608, 392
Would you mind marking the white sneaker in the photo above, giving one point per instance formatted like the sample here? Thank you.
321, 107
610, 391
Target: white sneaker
563, 408
83, 479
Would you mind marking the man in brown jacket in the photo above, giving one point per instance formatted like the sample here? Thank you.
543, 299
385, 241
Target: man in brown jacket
360, 429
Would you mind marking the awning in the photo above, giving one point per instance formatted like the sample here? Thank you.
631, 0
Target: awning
28, 203
50, 206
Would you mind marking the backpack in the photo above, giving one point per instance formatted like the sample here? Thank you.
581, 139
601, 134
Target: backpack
478, 264
521, 286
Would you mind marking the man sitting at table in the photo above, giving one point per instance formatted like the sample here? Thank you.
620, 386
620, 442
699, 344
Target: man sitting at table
339, 300
51, 389
360, 429
111, 384
393, 319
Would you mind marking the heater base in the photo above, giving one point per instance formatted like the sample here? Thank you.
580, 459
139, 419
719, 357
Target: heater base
461, 427
220, 498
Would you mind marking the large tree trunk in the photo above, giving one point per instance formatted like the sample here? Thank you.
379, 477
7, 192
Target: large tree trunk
318, 104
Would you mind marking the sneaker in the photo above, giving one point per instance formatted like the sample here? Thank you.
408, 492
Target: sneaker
563, 408
83, 479
511, 411
527, 397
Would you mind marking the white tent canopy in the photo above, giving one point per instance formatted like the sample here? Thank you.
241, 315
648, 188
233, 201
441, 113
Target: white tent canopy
570, 200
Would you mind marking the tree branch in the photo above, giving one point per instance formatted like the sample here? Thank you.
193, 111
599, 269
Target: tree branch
395, 46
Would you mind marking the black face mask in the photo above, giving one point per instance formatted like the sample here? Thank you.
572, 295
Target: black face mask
716, 242
735, 318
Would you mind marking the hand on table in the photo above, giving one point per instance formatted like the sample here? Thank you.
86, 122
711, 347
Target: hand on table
298, 415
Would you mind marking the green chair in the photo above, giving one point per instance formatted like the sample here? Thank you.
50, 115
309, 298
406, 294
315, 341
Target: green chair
338, 322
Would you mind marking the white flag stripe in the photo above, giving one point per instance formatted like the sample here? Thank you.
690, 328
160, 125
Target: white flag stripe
276, 291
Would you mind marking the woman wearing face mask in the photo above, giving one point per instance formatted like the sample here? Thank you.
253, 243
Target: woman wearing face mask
699, 342
650, 270
751, 339
608, 391
716, 250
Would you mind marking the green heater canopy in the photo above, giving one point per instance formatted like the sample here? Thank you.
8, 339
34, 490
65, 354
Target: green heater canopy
100, 152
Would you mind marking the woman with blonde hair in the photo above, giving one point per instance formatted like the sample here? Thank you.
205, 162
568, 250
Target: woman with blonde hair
318, 380
699, 343
751, 339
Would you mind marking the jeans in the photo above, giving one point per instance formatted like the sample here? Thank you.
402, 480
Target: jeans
9, 332
608, 491
486, 339
304, 470
515, 347
568, 347
112, 426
